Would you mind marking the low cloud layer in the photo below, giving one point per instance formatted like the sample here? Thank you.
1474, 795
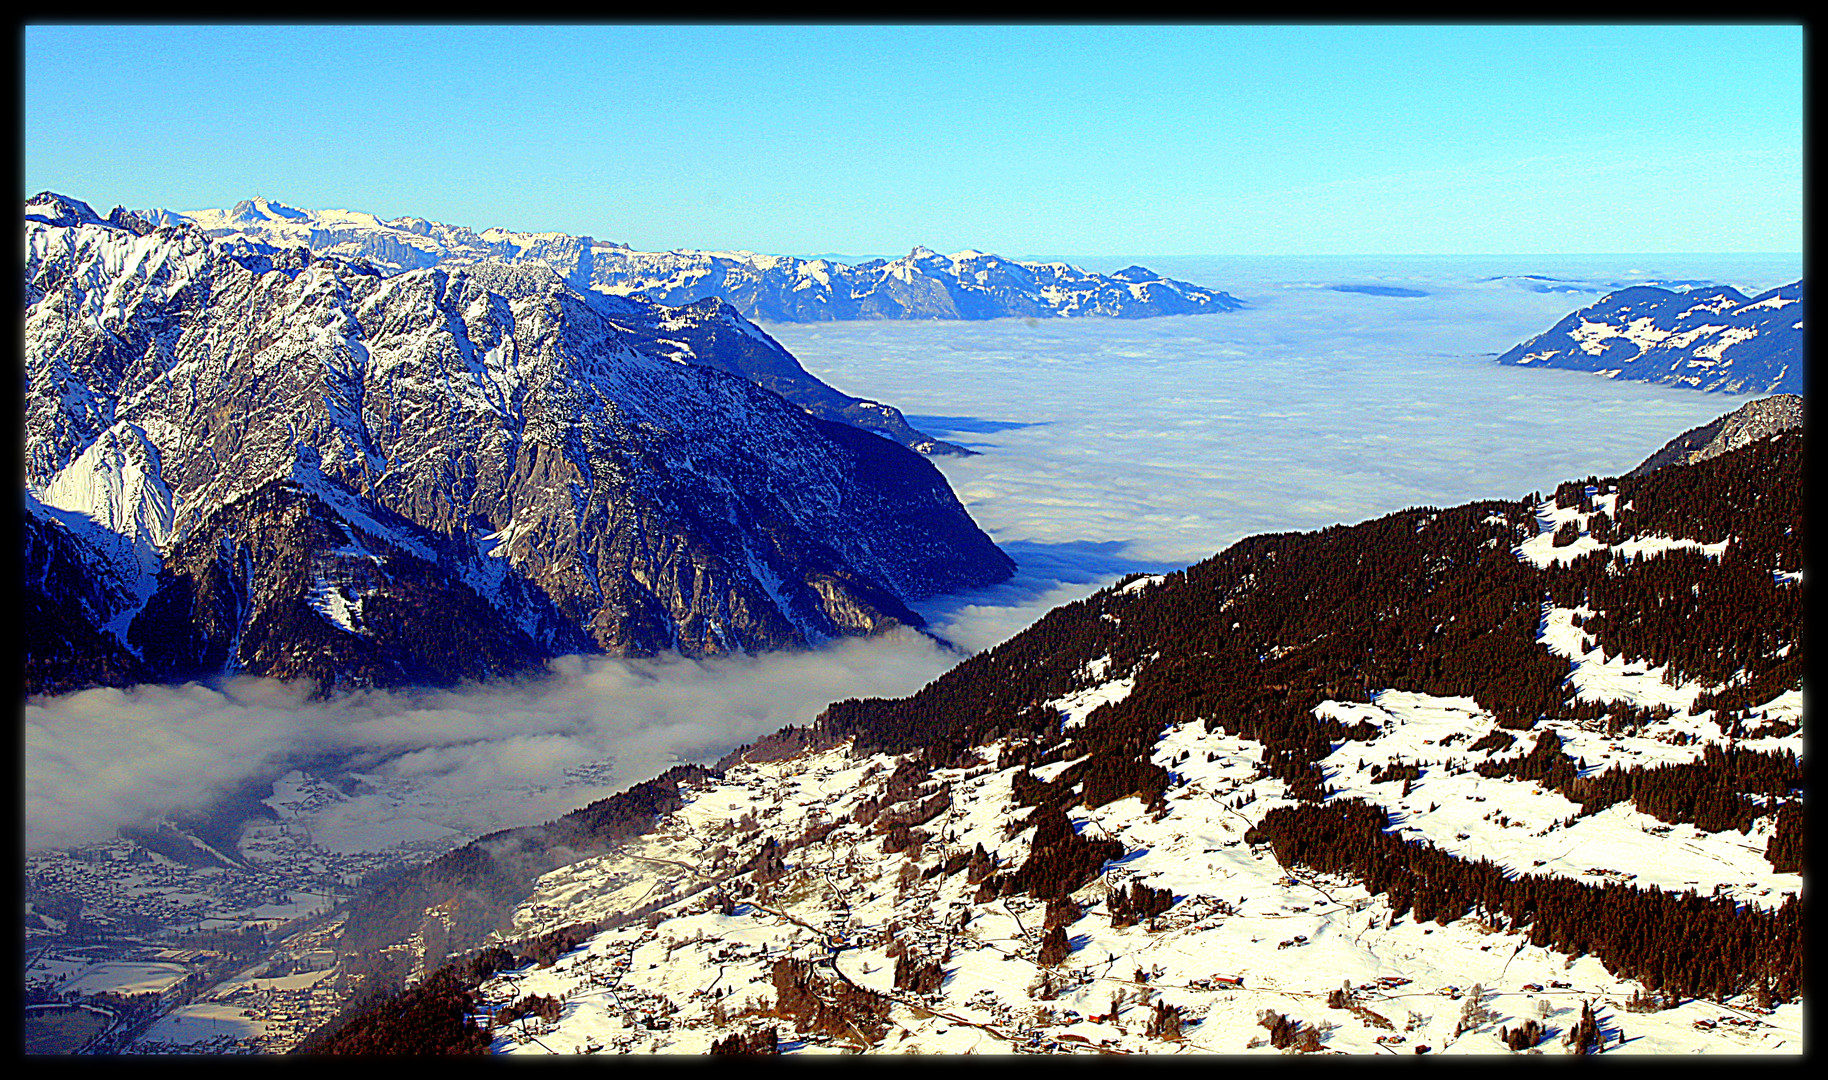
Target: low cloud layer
1108, 447
1165, 440
468, 761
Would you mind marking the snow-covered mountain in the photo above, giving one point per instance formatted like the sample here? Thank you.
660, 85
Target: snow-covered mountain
312, 468
1518, 776
1710, 338
921, 285
701, 331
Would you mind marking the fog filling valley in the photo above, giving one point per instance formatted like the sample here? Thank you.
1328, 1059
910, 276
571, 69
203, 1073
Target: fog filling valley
1105, 446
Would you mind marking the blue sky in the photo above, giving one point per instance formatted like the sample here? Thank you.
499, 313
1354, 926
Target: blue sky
1033, 141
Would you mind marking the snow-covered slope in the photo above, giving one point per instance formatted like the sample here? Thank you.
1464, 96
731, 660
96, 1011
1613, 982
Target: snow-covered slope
264, 233
601, 472
80, 584
702, 967
1508, 776
1710, 338
921, 285
405, 243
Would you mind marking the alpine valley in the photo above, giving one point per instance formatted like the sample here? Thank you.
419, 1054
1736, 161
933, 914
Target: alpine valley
1517, 776
1523, 775
242, 458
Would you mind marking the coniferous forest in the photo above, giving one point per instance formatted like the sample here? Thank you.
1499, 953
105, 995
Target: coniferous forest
1435, 601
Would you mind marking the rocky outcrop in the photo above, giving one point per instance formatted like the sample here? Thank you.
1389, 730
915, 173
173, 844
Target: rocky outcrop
1752, 421
692, 327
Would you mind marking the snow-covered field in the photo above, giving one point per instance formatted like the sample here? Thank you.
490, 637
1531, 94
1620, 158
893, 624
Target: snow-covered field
695, 974
125, 978
1523, 826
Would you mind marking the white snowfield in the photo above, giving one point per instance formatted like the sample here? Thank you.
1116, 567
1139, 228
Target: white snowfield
1529, 829
1076, 706
1289, 935
1540, 550
1592, 336
127, 978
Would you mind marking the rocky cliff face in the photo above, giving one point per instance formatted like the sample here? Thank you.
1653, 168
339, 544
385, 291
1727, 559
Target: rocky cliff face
1710, 338
70, 597
306, 437
711, 333
689, 325
1748, 423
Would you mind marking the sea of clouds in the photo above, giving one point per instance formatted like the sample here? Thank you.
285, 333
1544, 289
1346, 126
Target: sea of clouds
1105, 447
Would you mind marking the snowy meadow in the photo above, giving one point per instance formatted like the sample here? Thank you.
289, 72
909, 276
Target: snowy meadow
1345, 390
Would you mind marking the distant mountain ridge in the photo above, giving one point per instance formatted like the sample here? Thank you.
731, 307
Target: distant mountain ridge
274, 462
921, 285
1711, 338
268, 234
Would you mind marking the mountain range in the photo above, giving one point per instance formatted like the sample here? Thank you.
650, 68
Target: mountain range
263, 460
780, 288
1514, 776
1705, 338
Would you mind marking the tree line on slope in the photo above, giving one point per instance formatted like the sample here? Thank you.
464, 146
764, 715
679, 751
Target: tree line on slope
436, 1017
1683, 944
1425, 600
1251, 640
1726, 788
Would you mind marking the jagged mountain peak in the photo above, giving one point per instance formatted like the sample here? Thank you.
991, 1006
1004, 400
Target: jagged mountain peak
260, 210
54, 209
600, 473
924, 284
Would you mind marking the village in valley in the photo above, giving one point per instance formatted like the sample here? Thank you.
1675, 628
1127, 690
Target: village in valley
841, 937
164, 943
